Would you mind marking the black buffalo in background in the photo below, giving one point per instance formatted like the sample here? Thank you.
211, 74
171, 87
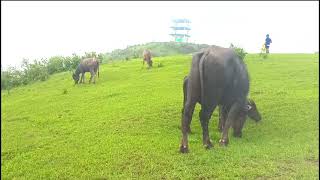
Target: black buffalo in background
218, 77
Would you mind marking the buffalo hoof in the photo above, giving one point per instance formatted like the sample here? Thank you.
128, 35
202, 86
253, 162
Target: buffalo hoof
223, 142
237, 135
184, 149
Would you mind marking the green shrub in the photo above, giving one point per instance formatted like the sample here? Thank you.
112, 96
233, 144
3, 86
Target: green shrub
55, 64
35, 72
74, 61
240, 51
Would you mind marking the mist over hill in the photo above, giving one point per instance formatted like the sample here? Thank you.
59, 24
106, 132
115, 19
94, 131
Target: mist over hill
157, 49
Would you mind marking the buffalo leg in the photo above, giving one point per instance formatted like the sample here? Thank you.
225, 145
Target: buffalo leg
237, 126
92, 76
143, 63
232, 115
222, 117
82, 78
185, 124
205, 115
188, 121
95, 77
185, 84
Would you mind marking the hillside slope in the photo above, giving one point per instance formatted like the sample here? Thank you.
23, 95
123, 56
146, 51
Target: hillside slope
157, 49
127, 125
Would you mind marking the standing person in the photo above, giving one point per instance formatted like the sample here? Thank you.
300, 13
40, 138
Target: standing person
267, 43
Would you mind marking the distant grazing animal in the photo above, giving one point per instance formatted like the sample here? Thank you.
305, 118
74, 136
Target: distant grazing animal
237, 125
86, 65
218, 77
147, 57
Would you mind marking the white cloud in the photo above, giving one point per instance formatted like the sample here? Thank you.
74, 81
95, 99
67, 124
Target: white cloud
44, 29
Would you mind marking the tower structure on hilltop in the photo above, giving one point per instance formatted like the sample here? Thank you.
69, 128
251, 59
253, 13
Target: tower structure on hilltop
180, 30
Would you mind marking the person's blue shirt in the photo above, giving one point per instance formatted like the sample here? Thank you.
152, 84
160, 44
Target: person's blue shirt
268, 41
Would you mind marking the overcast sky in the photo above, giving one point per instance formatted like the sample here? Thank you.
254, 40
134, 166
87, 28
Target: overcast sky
44, 29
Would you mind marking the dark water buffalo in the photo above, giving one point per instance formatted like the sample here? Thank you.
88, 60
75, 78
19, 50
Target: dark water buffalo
147, 57
86, 65
218, 77
250, 111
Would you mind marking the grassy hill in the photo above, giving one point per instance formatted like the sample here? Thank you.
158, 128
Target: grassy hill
157, 49
127, 125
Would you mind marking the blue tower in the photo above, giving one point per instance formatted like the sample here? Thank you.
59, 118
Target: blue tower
180, 30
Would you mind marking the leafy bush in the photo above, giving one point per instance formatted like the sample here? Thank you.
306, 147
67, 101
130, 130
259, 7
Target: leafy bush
30, 72
12, 78
89, 55
71, 63
240, 51
35, 72
55, 64
5, 80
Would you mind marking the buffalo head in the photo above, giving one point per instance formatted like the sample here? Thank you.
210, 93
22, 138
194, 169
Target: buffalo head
250, 109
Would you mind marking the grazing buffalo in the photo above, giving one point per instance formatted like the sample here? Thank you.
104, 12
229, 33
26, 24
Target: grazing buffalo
218, 77
251, 111
147, 57
86, 65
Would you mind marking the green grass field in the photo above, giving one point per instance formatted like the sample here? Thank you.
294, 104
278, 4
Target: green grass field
127, 125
